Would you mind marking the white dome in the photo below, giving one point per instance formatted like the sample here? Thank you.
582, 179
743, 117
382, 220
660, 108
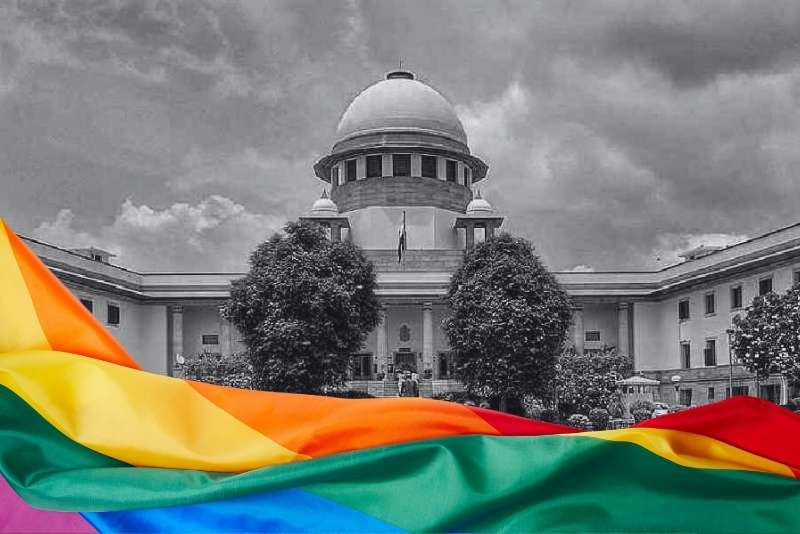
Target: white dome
324, 206
479, 206
400, 103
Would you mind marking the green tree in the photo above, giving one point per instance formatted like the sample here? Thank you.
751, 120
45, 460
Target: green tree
590, 380
766, 339
508, 320
303, 308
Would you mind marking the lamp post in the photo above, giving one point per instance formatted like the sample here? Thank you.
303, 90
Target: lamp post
729, 331
676, 380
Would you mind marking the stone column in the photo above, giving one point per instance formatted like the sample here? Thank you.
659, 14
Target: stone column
224, 335
427, 336
489, 230
623, 330
577, 328
470, 235
382, 350
177, 332
336, 232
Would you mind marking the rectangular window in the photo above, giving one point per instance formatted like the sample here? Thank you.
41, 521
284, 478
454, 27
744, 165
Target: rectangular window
451, 170
335, 175
401, 164
592, 335
112, 315
88, 304
466, 176
374, 166
686, 355
737, 391
350, 170
683, 310
686, 397
765, 286
711, 393
711, 304
736, 297
710, 353
429, 167
210, 339
796, 277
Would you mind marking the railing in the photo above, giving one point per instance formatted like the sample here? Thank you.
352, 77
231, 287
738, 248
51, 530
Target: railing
390, 388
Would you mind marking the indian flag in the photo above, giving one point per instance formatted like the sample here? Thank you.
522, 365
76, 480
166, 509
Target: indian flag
91, 442
401, 239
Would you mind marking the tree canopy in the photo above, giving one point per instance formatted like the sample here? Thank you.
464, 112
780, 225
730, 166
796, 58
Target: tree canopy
588, 381
766, 339
306, 305
509, 317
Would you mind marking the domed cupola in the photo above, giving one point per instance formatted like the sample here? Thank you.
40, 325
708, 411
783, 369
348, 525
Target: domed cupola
401, 105
480, 214
324, 206
400, 143
479, 206
325, 213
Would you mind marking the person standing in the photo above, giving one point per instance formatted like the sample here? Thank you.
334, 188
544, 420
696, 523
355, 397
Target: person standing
409, 387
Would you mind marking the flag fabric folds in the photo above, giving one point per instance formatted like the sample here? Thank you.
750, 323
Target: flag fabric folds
401, 239
90, 442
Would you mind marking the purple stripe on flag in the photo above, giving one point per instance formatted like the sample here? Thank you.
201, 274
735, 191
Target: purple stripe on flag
17, 517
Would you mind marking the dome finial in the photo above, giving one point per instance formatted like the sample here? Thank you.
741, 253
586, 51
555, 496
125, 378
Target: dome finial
324, 193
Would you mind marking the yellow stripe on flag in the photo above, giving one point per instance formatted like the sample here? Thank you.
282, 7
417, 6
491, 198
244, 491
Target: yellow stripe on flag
136, 417
21, 328
692, 450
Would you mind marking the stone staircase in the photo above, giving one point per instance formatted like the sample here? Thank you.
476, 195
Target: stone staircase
389, 388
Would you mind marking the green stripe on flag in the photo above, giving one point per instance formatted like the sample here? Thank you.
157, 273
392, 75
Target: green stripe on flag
468, 483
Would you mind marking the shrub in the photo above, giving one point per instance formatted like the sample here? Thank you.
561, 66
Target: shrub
455, 396
641, 410
349, 394
549, 415
532, 406
616, 408
587, 381
578, 420
234, 371
599, 418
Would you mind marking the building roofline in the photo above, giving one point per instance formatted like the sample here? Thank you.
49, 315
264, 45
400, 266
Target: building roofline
653, 283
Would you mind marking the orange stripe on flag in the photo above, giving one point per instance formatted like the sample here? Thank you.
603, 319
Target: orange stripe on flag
67, 324
318, 426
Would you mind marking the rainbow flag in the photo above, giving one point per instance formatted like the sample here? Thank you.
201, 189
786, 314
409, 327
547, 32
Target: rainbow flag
90, 442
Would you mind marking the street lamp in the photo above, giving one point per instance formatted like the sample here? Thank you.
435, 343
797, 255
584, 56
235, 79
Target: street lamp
676, 380
729, 331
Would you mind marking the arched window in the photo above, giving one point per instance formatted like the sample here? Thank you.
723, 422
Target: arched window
405, 333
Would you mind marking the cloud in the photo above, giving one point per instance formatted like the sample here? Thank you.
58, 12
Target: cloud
670, 246
612, 129
216, 234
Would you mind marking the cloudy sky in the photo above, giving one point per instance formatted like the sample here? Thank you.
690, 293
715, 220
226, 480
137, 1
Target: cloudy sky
179, 134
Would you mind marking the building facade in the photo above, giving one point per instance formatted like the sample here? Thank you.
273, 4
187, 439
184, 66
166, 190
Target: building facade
404, 187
